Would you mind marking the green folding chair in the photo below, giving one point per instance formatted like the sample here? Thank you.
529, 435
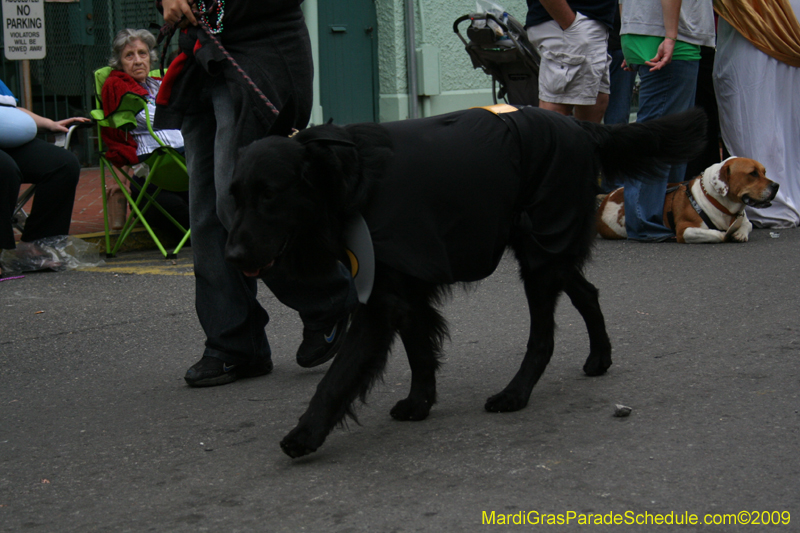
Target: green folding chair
167, 170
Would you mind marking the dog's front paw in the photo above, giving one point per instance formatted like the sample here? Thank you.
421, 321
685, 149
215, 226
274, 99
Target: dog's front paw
505, 402
299, 442
736, 237
410, 409
739, 231
597, 364
740, 236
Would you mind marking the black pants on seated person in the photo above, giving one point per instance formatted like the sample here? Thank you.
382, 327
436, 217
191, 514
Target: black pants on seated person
175, 203
55, 172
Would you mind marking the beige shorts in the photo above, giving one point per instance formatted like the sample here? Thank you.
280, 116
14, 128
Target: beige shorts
575, 61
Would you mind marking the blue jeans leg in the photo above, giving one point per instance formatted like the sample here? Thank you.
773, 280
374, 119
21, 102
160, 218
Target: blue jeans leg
670, 90
619, 104
619, 99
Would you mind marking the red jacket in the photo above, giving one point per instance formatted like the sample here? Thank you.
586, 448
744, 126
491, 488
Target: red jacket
120, 145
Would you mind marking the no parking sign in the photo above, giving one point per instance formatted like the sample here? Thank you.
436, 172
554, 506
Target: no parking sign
23, 29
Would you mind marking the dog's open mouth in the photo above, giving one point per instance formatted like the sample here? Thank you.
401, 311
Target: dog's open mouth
748, 201
257, 272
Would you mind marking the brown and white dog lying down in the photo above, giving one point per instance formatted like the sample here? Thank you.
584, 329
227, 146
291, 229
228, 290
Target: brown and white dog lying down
706, 209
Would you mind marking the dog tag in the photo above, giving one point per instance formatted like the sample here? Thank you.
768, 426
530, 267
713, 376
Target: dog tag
362, 256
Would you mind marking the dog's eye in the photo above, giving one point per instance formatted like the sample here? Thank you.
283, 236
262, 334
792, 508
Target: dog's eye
265, 199
236, 190
754, 173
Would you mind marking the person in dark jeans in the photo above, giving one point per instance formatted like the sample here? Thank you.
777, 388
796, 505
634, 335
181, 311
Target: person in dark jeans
623, 80
205, 95
707, 99
661, 42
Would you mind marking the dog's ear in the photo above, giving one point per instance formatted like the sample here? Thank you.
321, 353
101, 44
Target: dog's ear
284, 123
344, 161
720, 181
330, 159
325, 134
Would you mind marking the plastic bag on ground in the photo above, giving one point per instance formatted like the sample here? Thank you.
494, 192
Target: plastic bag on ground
62, 252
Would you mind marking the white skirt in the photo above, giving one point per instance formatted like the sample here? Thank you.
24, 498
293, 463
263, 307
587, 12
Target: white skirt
759, 113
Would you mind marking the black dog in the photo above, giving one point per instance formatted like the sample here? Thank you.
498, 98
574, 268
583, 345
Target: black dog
443, 197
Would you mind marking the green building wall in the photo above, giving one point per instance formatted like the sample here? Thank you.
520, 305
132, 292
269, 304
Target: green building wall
459, 85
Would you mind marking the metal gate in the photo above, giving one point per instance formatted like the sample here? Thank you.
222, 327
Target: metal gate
78, 36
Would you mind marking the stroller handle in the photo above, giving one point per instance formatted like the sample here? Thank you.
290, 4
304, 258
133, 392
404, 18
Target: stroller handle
459, 20
472, 16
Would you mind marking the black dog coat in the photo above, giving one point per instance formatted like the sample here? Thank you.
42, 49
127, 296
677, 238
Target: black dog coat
444, 197
459, 184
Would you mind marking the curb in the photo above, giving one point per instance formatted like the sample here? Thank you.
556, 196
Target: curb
139, 240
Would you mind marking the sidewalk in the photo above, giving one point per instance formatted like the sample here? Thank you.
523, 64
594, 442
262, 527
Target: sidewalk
87, 213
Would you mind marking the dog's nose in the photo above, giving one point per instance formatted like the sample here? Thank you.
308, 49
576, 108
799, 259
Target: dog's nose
235, 253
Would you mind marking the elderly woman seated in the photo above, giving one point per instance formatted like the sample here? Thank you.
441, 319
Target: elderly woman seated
132, 55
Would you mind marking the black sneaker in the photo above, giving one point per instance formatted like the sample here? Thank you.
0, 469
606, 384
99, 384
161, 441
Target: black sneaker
210, 371
321, 345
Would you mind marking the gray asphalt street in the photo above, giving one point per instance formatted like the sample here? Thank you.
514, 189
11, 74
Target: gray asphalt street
98, 431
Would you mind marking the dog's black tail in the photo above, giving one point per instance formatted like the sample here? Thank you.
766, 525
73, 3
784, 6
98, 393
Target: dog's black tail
636, 149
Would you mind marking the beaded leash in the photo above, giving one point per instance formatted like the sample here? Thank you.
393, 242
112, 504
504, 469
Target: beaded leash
168, 30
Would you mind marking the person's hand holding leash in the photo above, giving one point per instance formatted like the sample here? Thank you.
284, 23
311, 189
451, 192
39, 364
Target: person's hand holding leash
175, 10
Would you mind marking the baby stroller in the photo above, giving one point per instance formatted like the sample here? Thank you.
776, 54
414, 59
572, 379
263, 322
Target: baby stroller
500, 47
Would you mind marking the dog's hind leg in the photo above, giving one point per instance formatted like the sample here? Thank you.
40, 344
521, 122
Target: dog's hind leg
356, 367
422, 332
542, 287
584, 297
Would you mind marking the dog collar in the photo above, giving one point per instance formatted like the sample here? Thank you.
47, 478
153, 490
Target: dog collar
696, 206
